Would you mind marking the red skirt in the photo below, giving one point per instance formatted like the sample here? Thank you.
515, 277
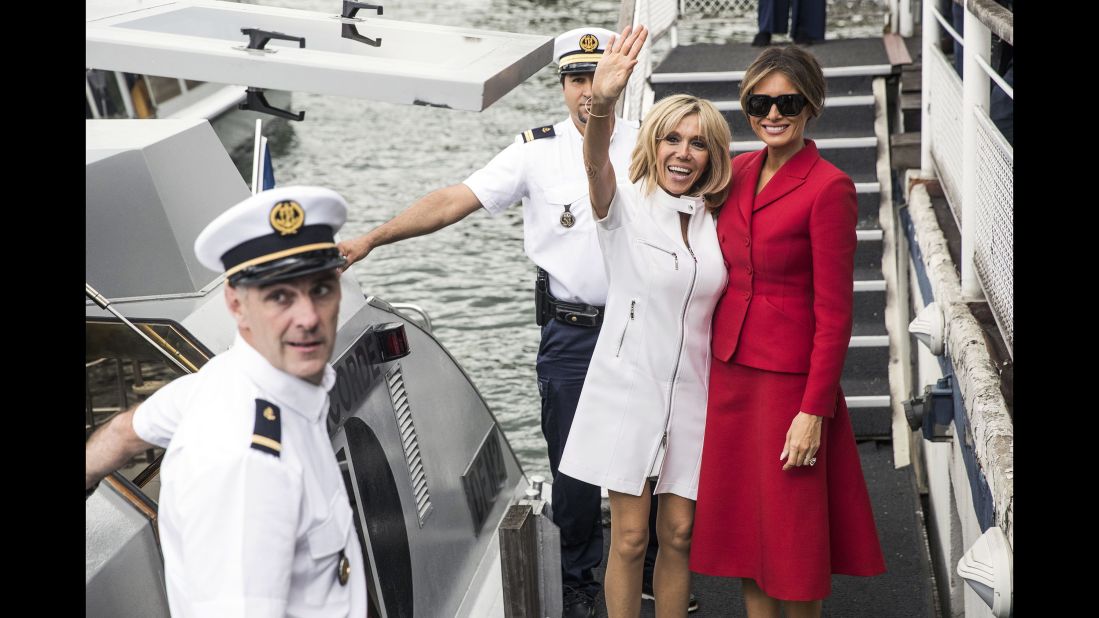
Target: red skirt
789, 531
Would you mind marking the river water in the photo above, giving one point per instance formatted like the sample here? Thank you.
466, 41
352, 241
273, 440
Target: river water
472, 278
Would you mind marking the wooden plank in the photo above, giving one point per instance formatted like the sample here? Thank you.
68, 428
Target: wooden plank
895, 49
519, 562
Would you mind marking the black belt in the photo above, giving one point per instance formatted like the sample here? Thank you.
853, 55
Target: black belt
576, 314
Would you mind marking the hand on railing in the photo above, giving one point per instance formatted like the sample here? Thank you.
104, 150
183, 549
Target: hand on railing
614, 68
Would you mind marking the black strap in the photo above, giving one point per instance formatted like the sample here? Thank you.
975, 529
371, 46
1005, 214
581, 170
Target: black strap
547, 307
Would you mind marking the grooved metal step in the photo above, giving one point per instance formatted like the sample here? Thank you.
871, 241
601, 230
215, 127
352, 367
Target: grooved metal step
835, 122
868, 260
824, 144
864, 371
870, 286
869, 204
729, 90
868, 401
872, 423
868, 314
661, 76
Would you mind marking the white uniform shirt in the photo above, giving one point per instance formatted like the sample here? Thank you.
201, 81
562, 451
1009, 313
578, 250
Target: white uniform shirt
548, 174
245, 532
649, 374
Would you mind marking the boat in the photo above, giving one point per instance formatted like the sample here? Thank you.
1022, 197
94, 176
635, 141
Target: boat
430, 472
119, 94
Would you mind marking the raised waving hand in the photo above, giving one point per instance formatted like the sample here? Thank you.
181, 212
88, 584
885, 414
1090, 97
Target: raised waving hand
611, 75
616, 65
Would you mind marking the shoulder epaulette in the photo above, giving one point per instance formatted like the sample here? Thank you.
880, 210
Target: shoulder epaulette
537, 133
267, 434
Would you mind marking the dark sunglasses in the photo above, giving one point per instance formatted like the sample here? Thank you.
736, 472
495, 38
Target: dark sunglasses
759, 105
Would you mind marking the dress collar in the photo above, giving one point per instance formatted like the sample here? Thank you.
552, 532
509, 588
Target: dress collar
686, 204
305, 398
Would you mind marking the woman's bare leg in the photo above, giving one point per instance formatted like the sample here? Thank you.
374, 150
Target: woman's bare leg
629, 538
672, 577
758, 604
802, 609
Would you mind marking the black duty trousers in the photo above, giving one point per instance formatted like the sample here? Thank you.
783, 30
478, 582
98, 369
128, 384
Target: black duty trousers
563, 358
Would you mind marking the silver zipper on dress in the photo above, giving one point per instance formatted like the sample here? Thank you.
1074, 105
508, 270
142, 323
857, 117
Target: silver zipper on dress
675, 369
671, 253
622, 339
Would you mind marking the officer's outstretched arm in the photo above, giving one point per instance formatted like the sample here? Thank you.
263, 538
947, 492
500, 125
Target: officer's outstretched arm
110, 447
432, 212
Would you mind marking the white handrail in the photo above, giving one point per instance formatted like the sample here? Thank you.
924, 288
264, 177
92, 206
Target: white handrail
983, 157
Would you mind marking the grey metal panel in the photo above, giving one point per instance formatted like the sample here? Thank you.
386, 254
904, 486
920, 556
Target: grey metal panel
124, 572
463, 68
451, 421
145, 204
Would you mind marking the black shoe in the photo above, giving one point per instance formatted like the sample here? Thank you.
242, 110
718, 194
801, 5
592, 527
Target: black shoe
647, 595
800, 38
577, 604
763, 39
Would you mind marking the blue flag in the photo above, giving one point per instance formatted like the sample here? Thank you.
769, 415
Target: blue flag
268, 170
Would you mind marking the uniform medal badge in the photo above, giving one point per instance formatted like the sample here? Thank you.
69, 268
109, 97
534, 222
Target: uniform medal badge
343, 569
287, 217
567, 218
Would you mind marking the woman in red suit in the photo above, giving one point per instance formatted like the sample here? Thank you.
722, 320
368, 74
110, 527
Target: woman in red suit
782, 502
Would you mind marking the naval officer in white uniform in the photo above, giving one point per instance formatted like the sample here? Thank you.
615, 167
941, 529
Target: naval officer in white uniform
254, 519
544, 168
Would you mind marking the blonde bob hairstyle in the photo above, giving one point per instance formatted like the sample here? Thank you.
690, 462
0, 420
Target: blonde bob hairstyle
661, 120
798, 65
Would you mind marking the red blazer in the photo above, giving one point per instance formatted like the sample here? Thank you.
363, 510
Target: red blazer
790, 254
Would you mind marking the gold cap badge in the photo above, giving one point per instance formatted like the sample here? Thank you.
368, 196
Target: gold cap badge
287, 217
589, 43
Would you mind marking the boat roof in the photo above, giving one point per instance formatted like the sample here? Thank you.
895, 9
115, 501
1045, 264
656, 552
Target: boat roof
150, 188
415, 63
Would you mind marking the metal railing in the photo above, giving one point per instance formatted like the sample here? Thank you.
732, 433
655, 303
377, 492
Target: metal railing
714, 8
973, 159
659, 16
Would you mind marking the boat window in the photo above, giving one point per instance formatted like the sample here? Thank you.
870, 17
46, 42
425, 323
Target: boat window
104, 94
122, 369
162, 88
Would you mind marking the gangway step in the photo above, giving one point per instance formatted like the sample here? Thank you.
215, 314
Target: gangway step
870, 286
857, 157
725, 89
726, 62
832, 102
868, 259
868, 401
826, 145
868, 315
837, 127
864, 370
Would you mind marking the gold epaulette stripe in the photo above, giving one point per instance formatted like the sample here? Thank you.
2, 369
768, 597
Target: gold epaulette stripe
279, 254
528, 135
265, 441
